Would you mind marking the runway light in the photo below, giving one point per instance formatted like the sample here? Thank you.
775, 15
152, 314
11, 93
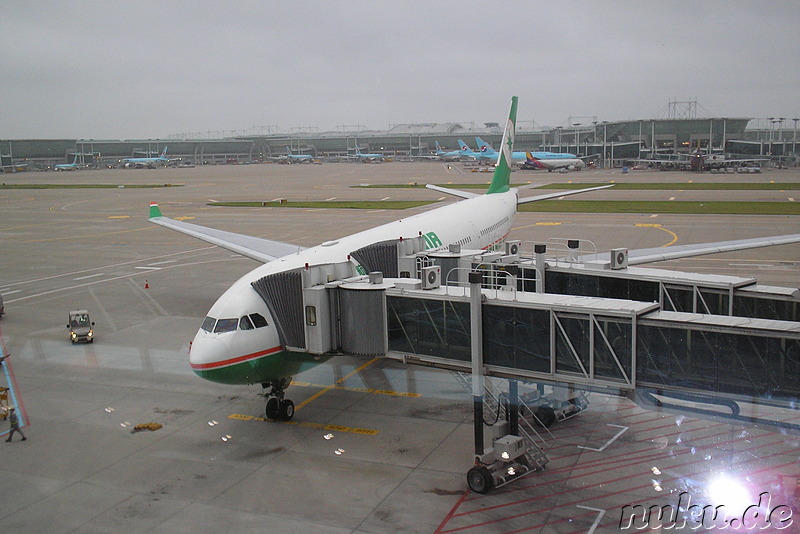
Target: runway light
328, 436
212, 423
656, 471
109, 410
657, 486
226, 437
338, 452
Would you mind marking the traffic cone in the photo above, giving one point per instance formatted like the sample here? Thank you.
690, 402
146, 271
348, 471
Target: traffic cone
146, 285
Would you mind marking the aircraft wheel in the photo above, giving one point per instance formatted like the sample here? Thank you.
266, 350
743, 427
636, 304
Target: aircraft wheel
286, 411
480, 479
545, 416
273, 408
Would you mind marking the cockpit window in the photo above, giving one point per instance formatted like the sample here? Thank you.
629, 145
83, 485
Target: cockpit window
208, 324
245, 324
226, 325
258, 320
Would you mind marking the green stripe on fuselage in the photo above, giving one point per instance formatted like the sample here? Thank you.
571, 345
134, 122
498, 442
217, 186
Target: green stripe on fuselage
283, 364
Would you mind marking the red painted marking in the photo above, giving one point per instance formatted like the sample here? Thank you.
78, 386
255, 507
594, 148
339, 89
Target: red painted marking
232, 361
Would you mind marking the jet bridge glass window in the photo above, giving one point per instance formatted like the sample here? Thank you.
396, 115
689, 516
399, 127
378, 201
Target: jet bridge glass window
517, 338
208, 324
226, 325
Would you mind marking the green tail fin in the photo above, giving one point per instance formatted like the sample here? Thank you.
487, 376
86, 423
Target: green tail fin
502, 173
155, 211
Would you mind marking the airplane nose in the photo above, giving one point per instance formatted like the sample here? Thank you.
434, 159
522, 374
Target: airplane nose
207, 352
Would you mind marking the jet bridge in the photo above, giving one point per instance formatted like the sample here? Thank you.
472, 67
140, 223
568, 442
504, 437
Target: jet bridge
551, 319
708, 339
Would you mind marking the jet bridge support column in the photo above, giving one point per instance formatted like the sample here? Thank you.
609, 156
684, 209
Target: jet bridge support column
540, 266
476, 334
513, 407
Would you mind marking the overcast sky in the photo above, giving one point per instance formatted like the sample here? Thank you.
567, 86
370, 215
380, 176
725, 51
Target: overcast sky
137, 70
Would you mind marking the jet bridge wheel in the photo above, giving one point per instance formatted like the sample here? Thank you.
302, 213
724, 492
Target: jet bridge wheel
480, 479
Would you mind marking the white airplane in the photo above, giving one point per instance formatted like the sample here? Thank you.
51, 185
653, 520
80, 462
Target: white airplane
294, 158
239, 341
139, 163
67, 166
554, 163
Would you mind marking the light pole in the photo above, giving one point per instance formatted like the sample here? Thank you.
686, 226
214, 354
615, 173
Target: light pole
794, 138
605, 155
577, 136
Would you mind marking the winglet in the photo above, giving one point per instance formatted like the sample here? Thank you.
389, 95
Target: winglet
502, 173
155, 211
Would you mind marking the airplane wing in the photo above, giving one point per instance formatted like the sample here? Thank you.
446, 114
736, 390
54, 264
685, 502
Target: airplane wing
560, 194
259, 249
651, 255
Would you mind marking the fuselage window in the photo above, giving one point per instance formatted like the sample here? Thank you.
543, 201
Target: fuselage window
258, 320
226, 325
245, 324
208, 324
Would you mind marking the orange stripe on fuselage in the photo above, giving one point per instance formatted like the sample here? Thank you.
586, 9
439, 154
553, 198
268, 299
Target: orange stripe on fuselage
233, 361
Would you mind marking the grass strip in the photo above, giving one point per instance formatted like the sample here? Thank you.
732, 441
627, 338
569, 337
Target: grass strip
696, 208
86, 186
689, 186
626, 186
333, 204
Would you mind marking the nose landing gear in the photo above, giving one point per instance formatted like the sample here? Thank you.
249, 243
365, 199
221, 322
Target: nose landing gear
278, 408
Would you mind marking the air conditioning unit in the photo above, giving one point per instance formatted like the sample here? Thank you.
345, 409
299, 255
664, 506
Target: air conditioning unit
512, 247
431, 277
619, 258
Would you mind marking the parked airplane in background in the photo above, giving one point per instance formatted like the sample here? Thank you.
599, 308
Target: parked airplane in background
295, 158
239, 342
140, 163
521, 158
369, 158
553, 163
464, 152
67, 166
699, 161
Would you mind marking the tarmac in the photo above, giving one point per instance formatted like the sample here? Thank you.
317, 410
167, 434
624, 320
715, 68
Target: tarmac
375, 446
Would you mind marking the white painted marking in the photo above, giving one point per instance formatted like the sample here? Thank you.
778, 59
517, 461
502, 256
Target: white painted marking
597, 519
653, 216
329, 199
791, 199
750, 265
672, 198
89, 276
149, 268
442, 198
7, 293
385, 198
163, 262
609, 442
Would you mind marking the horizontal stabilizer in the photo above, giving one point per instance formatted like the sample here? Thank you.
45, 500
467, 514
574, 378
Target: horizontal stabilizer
560, 194
259, 249
454, 192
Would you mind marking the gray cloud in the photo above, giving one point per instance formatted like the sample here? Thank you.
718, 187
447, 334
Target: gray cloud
149, 69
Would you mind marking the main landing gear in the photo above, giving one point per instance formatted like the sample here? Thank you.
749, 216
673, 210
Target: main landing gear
278, 408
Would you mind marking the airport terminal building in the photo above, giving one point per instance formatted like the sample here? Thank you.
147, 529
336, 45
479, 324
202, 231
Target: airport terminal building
608, 143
